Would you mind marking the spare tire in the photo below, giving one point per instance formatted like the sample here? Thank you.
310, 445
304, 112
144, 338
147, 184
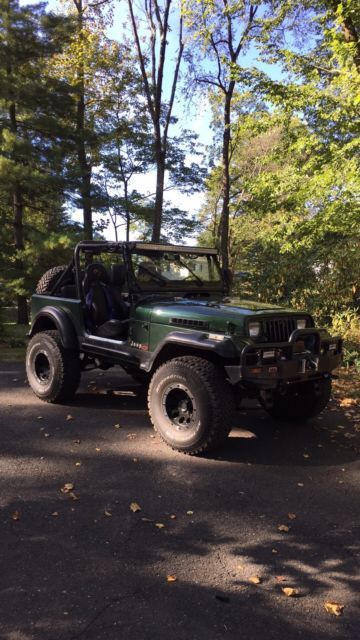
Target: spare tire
48, 281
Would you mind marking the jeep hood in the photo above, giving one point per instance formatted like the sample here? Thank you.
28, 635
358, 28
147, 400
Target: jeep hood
207, 314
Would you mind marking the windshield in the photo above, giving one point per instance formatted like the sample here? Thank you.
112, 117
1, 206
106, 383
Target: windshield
175, 269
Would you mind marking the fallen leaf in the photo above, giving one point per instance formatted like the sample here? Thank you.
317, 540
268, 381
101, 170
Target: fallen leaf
107, 513
117, 426
73, 496
171, 578
306, 455
131, 436
146, 520
134, 507
283, 527
76, 441
274, 551
40, 417
189, 513
46, 435
347, 402
172, 516
68, 486
69, 417
55, 514
16, 515
290, 592
255, 579
135, 459
334, 608
159, 525
300, 484
78, 464
292, 516
97, 449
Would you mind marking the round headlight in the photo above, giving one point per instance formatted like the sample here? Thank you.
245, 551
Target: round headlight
301, 323
254, 329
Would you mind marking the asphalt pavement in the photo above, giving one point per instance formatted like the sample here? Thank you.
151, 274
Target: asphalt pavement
217, 538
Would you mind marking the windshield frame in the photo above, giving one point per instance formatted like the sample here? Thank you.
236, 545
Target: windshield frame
190, 284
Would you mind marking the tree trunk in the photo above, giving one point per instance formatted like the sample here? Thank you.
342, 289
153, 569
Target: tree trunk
18, 212
18, 216
351, 35
127, 209
84, 165
224, 218
159, 196
85, 168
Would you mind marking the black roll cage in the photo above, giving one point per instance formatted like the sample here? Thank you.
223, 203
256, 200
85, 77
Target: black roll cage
125, 249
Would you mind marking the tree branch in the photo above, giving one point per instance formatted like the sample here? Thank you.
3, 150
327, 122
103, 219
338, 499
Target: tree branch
141, 61
175, 79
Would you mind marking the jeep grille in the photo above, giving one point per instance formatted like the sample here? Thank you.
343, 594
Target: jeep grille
278, 329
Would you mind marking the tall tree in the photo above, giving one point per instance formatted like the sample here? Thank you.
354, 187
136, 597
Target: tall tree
126, 150
32, 104
153, 57
83, 63
223, 31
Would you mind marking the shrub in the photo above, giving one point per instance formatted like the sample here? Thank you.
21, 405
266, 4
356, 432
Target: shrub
347, 324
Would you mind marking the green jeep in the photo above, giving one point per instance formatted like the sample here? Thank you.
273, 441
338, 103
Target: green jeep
162, 313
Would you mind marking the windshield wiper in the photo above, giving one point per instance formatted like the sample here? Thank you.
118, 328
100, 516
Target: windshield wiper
199, 282
154, 276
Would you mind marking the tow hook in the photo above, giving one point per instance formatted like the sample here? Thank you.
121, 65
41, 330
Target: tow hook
309, 362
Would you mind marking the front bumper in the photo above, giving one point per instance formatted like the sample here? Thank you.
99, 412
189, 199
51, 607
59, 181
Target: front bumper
268, 365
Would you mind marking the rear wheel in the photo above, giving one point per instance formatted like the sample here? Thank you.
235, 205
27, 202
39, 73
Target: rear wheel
300, 402
53, 372
190, 405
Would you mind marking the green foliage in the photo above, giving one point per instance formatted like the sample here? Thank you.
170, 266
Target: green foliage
294, 173
34, 108
347, 324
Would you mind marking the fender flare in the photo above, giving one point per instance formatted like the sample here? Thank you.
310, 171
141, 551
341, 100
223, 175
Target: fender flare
62, 322
225, 349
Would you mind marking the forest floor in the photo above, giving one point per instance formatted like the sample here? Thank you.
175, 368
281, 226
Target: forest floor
108, 534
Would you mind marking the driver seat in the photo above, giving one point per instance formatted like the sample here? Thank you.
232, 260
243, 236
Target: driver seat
102, 319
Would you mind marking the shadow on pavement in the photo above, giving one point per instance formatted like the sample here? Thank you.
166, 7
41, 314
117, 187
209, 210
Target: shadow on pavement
82, 565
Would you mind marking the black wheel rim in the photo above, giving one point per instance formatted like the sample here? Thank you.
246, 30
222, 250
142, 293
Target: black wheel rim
42, 368
179, 406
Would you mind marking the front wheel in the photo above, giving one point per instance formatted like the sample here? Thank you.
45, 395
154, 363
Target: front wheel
52, 371
300, 402
190, 405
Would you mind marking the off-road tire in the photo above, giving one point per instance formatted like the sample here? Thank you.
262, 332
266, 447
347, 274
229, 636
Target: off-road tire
49, 279
302, 402
209, 396
52, 371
